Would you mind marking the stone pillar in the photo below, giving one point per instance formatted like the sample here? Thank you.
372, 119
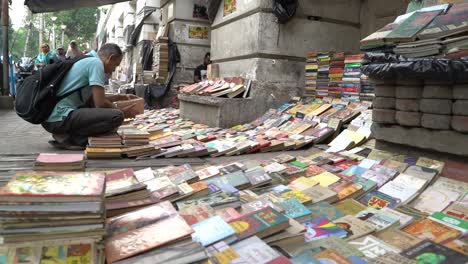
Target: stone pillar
190, 32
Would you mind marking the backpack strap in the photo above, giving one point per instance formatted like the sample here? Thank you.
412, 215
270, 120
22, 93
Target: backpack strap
79, 89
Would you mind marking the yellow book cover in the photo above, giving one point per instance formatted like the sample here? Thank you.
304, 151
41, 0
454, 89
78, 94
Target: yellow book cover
300, 196
302, 183
325, 179
161, 135
226, 256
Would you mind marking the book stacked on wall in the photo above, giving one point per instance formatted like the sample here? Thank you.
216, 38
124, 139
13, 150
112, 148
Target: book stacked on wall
311, 74
52, 216
352, 77
336, 74
437, 31
367, 89
161, 59
235, 87
322, 73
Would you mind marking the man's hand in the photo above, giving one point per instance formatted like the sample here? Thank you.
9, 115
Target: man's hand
129, 111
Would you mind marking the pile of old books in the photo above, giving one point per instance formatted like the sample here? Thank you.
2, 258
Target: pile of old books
111, 140
352, 77
295, 125
335, 74
59, 162
311, 74
132, 136
236, 87
51, 216
353, 206
440, 31
322, 74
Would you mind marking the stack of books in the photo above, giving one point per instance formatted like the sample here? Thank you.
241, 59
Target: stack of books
436, 31
352, 77
111, 140
161, 59
125, 193
59, 162
336, 74
322, 75
103, 153
236, 87
134, 137
53, 215
311, 75
367, 89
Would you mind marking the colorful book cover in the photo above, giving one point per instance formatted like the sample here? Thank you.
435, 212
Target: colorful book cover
228, 214
55, 184
300, 196
254, 250
378, 218
136, 241
319, 228
354, 227
450, 221
325, 179
211, 230
306, 257
258, 222
260, 203
54, 254
349, 206
429, 252
429, 229
325, 210
294, 209
196, 213
372, 247
331, 256
353, 171
378, 200
397, 238
314, 170
79, 254
455, 170
367, 185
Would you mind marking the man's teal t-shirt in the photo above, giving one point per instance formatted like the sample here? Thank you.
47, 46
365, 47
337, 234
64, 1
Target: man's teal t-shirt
84, 73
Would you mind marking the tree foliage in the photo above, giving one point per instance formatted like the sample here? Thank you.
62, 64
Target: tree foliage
81, 25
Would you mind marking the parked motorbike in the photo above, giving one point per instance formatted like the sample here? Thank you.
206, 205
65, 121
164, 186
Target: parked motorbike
25, 67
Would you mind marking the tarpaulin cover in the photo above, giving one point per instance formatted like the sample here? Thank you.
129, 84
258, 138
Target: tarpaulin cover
42, 6
385, 66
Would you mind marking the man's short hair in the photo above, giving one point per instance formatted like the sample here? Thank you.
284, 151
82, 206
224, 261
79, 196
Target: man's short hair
207, 54
110, 49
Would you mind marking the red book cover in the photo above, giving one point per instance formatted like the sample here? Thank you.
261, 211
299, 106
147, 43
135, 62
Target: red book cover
455, 170
120, 174
139, 231
59, 158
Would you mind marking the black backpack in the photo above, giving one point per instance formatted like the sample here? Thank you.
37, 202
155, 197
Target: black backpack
36, 96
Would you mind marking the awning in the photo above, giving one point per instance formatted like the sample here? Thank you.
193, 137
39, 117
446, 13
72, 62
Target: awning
42, 6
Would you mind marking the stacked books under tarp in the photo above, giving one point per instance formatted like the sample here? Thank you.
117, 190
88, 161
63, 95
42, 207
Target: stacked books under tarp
311, 74
59, 162
336, 74
352, 77
367, 89
440, 31
53, 215
322, 74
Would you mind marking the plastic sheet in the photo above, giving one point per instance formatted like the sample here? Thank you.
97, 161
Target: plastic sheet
384, 66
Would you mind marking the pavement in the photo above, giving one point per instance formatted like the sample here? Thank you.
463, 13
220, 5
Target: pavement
22, 138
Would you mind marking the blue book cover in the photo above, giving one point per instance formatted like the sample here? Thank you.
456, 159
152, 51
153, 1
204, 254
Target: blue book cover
211, 230
378, 200
294, 209
325, 209
354, 171
305, 258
